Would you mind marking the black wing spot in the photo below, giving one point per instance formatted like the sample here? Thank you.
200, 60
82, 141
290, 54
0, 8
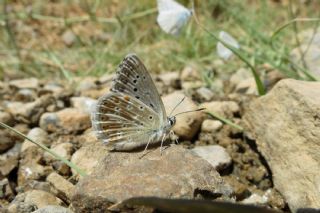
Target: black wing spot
135, 81
144, 77
141, 107
135, 89
152, 105
117, 108
138, 76
137, 97
150, 117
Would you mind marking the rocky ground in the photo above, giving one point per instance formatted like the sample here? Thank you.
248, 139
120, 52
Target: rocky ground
251, 163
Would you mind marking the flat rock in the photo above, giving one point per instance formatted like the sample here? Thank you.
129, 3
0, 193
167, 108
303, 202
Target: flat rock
285, 124
216, 155
177, 173
85, 104
187, 124
68, 120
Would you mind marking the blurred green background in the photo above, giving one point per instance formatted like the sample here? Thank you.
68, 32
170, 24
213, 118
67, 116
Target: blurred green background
67, 38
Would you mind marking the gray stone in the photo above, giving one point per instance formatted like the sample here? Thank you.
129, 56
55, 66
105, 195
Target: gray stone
177, 173
285, 124
25, 95
187, 124
216, 155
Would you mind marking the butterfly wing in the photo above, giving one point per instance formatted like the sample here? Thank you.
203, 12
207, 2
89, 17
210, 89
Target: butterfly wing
132, 111
172, 16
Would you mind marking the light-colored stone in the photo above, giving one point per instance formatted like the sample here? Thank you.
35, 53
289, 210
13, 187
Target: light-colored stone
187, 124
38, 135
170, 79
255, 199
216, 155
27, 83
64, 188
221, 108
190, 73
87, 83
240, 75
205, 93
6, 118
285, 124
85, 104
53, 209
87, 157
177, 173
247, 86
64, 150
41, 198
212, 126
189, 85
65, 121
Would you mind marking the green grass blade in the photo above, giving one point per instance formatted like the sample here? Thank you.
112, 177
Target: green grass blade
226, 121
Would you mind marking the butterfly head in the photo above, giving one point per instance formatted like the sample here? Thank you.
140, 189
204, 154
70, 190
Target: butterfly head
171, 121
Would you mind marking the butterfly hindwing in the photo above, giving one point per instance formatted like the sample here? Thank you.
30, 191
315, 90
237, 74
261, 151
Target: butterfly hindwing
121, 118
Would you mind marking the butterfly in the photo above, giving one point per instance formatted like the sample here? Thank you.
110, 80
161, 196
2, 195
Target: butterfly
132, 114
172, 16
223, 51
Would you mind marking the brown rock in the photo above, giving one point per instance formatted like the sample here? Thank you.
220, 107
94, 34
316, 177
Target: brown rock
177, 173
64, 150
285, 124
41, 198
9, 160
64, 188
189, 73
38, 135
66, 121
87, 157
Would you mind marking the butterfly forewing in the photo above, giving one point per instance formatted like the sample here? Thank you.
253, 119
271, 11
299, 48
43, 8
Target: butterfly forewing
122, 118
133, 79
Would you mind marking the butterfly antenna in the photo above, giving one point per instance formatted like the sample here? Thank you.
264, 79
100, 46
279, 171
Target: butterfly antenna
190, 111
176, 106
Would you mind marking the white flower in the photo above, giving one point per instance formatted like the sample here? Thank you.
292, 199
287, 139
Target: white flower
223, 51
172, 16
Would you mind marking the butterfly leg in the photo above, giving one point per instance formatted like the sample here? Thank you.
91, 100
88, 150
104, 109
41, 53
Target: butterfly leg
174, 136
145, 149
163, 139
